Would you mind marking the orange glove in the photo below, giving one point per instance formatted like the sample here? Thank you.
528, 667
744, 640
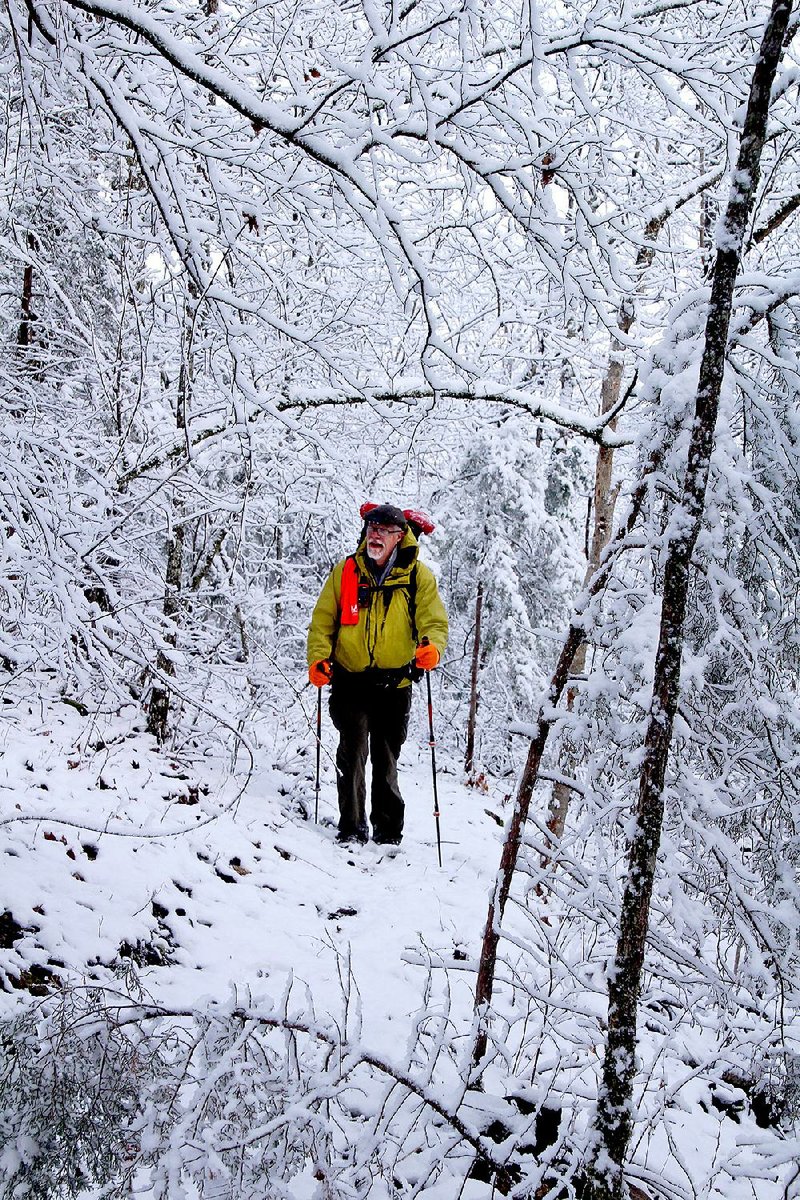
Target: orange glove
426, 656
320, 672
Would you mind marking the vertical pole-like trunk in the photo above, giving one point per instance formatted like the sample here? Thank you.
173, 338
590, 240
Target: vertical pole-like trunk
705, 231
26, 306
158, 708
604, 500
27, 318
469, 760
27, 315
615, 1112
281, 573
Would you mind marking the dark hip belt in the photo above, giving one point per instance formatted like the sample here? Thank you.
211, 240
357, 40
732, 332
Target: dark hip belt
372, 677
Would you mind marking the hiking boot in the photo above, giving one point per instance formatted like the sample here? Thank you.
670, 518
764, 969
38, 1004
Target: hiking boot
347, 837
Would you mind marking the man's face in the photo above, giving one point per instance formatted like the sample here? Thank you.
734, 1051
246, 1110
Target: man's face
381, 541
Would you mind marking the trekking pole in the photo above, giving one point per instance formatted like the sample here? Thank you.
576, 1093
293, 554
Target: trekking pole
432, 744
319, 748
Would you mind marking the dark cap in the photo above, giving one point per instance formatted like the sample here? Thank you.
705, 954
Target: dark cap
386, 514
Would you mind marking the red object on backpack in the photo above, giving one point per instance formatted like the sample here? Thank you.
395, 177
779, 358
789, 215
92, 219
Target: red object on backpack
349, 596
417, 519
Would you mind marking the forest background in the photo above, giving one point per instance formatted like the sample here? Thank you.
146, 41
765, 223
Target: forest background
536, 269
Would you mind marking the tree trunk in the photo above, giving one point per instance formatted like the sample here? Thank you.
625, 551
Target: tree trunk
605, 498
469, 760
27, 315
605, 494
615, 1111
158, 708
281, 573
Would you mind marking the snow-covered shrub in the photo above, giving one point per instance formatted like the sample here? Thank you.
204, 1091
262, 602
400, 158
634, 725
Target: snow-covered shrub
70, 1078
104, 1090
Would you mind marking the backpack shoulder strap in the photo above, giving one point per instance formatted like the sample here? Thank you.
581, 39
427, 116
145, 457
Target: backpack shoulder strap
348, 598
412, 602
410, 587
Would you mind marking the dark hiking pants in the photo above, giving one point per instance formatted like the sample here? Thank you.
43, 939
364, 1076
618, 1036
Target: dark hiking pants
374, 718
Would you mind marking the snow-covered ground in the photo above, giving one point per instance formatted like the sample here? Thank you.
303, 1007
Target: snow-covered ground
108, 844
210, 880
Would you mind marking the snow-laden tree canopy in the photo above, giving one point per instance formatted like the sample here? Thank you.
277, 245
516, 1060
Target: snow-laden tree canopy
261, 262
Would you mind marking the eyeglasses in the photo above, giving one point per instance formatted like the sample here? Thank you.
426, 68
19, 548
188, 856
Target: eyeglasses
383, 530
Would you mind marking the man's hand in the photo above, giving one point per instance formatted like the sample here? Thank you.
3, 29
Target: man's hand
320, 672
426, 656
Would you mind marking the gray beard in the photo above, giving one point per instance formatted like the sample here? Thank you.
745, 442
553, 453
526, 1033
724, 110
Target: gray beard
380, 573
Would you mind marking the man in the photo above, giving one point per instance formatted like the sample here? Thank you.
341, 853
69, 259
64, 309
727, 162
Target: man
379, 612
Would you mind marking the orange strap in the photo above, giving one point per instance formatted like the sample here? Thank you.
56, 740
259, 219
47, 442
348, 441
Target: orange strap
348, 600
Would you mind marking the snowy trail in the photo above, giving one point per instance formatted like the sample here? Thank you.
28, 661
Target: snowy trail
247, 900
377, 907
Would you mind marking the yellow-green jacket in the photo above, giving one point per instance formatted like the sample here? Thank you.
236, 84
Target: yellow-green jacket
384, 636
